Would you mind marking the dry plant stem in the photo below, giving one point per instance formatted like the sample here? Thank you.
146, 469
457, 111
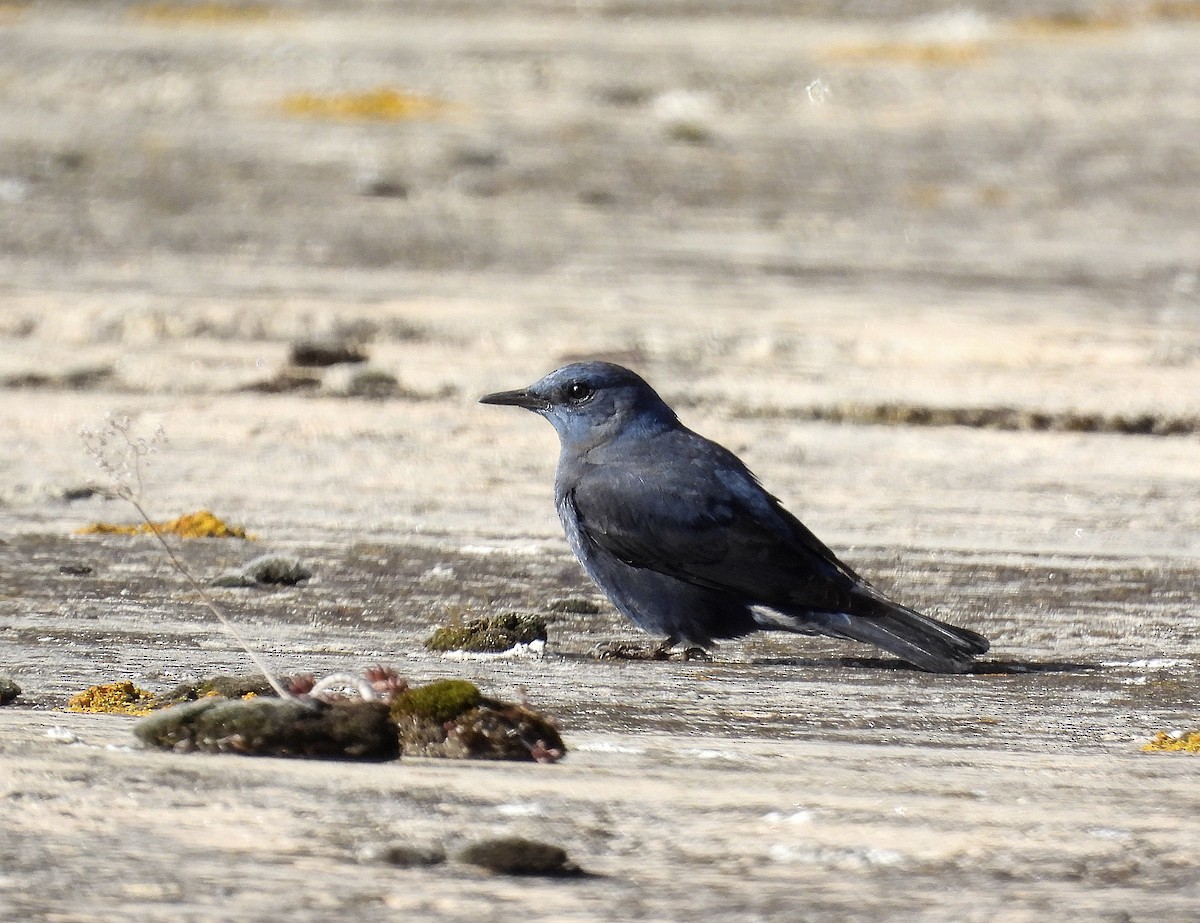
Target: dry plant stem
365, 691
208, 601
126, 468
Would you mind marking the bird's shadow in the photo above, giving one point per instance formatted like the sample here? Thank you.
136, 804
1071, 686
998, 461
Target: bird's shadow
981, 668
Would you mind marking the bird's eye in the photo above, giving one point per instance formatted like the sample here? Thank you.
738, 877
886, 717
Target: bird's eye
578, 392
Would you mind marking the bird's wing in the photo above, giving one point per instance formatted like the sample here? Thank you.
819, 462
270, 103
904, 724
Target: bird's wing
701, 516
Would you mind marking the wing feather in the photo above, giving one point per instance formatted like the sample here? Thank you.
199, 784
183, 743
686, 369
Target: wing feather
710, 524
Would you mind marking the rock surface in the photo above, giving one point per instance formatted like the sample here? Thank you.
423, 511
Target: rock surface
819, 229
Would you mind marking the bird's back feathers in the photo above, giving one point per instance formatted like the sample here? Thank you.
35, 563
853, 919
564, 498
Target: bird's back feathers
685, 507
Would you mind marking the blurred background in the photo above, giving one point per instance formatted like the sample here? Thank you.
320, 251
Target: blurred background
1046, 145
909, 213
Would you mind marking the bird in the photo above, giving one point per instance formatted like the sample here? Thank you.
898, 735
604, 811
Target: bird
683, 539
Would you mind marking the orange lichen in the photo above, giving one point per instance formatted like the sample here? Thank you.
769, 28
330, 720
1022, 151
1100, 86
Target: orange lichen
206, 13
381, 104
201, 524
1169, 743
121, 698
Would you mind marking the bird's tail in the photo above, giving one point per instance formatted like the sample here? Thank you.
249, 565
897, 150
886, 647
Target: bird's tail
918, 639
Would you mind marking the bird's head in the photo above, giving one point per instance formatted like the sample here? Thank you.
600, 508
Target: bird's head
591, 402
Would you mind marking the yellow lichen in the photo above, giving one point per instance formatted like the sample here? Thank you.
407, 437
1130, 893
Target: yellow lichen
381, 104
1073, 24
171, 13
121, 698
201, 524
927, 54
1169, 743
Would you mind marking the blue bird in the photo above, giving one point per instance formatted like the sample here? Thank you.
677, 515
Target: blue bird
686, 543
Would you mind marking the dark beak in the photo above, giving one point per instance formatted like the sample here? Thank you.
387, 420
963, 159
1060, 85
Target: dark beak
521, 398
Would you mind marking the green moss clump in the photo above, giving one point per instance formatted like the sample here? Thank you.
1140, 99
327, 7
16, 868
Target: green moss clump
488, 634
437, 702
451, 719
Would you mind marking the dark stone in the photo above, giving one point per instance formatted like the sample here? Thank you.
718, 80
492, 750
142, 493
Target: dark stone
402, 855
323, 353
518, 856
8, 690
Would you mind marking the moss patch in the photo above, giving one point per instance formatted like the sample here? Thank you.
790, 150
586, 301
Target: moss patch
493, 634
120, 698
346, 730
451, 719
201, 524
438, 701
225, 687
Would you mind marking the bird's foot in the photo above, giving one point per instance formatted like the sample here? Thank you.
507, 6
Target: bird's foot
622, 650
632, 650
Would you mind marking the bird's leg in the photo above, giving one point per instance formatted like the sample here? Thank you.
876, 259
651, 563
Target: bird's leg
666, 651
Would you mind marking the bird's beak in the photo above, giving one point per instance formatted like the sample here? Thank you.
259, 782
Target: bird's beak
520, 398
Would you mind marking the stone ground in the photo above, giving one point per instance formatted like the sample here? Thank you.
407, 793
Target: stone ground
816, 228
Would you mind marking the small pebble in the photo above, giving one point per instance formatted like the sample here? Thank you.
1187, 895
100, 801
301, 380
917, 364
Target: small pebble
266, 570
518, 856
402, 855
8, 690
322, 353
